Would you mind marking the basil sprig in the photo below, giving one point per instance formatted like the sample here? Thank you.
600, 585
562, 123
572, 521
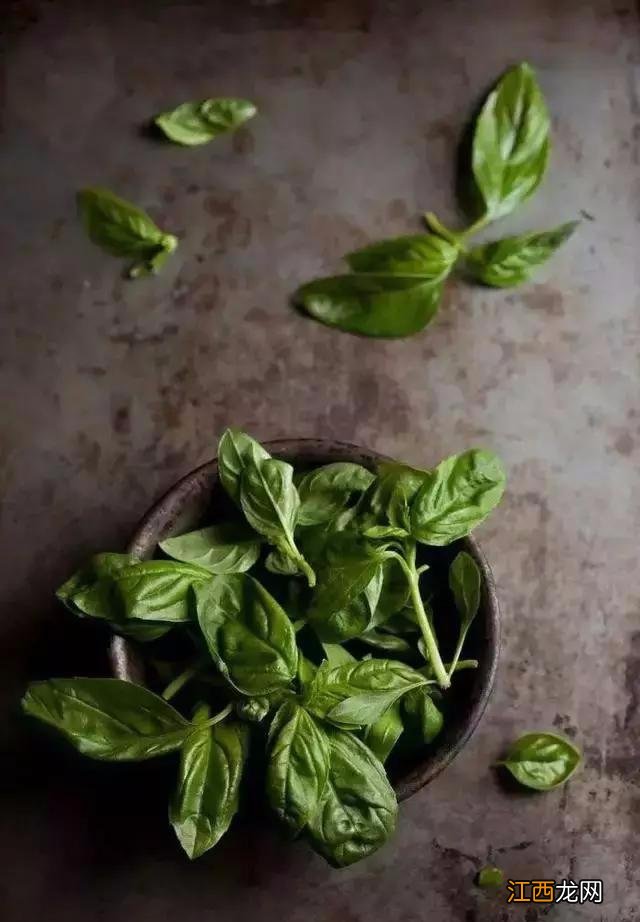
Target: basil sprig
395, 287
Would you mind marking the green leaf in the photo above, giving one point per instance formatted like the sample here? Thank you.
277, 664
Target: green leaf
298, 766
381, 640
372, 305
465, 583
228, 548
357, 694
107, 718
358, 811
542, 760
254, 710
376, 532
194, 123
337, 655
348, 590
422, 719
278, 561
490, 876
392, 494
249, 636
236, 451
382, 736
511, 261
159, 590
324, 492
394, 594
511, 143
123, 230
456, 496
423, 255
206, 797
306, 671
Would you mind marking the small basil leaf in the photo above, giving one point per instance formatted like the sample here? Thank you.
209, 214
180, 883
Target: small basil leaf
326, 491
382, 736
390, 497
394, 594
490, 876
542, 760
422, 719
375, 532
249, 636
358, 811
456, 496
511, 142
194, 123
107, 718
510, 261
298, 766
121, 228
158, 590
464, 582
424, 255
206, 798
380, 640
220, 549
372, 305
252, 709
236, 450
357, 694
306, 671
278, 561
337, 655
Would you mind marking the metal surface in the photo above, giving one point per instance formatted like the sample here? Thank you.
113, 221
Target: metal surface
111, 390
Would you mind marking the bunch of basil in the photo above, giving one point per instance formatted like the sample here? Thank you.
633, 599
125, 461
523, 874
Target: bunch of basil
331, 655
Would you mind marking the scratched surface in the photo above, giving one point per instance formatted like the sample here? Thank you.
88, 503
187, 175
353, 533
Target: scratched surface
111, 390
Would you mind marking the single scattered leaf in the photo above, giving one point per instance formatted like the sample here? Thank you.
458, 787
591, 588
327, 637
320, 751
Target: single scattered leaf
426, 256
511, 261
325, 491
511, 143
490, 876
206, 798
195, 123
456, 496
107, 718
358, 811
542, 761
228, 548
249, 636
298, 766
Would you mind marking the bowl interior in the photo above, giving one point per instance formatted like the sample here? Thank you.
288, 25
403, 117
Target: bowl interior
199, 499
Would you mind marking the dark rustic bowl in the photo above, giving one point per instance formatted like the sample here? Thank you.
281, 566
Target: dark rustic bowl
191, 502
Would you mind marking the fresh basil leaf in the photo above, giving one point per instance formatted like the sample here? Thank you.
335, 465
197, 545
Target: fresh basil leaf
159, 590
253, 710
393, 492
489, 876
510, 261
90, 591
324, 492
123, 230
298, 766
206, 798
465, 582
249, 636
422, 719
357, 694
237, 450
348, 590
107, 718
381, 640
306, 671
358, 811
270, 503
394, 594
337, 655
511, 143
382, 736
542, 760
423, 255
278, 561
376, 532
194, 123
228, 548
372, 305
456, 496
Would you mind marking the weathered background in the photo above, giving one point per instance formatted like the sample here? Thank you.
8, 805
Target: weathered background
111, 390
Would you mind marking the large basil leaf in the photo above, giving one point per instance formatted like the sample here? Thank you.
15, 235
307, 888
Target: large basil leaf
357, 694
511, 142
358, 811
236, 451
249, 636
206, 797
228, 548
423, 720
382, 736
159, 590
456, 496
107, 718
542, 760
372, 305
194, 123
426, 256
326, 491
508, 262
298, 766
124, 230
348, 590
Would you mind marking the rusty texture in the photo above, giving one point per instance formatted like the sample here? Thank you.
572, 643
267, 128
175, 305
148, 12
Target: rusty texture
112, 390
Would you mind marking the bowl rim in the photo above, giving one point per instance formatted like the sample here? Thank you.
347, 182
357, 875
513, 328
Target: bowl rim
125, 663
